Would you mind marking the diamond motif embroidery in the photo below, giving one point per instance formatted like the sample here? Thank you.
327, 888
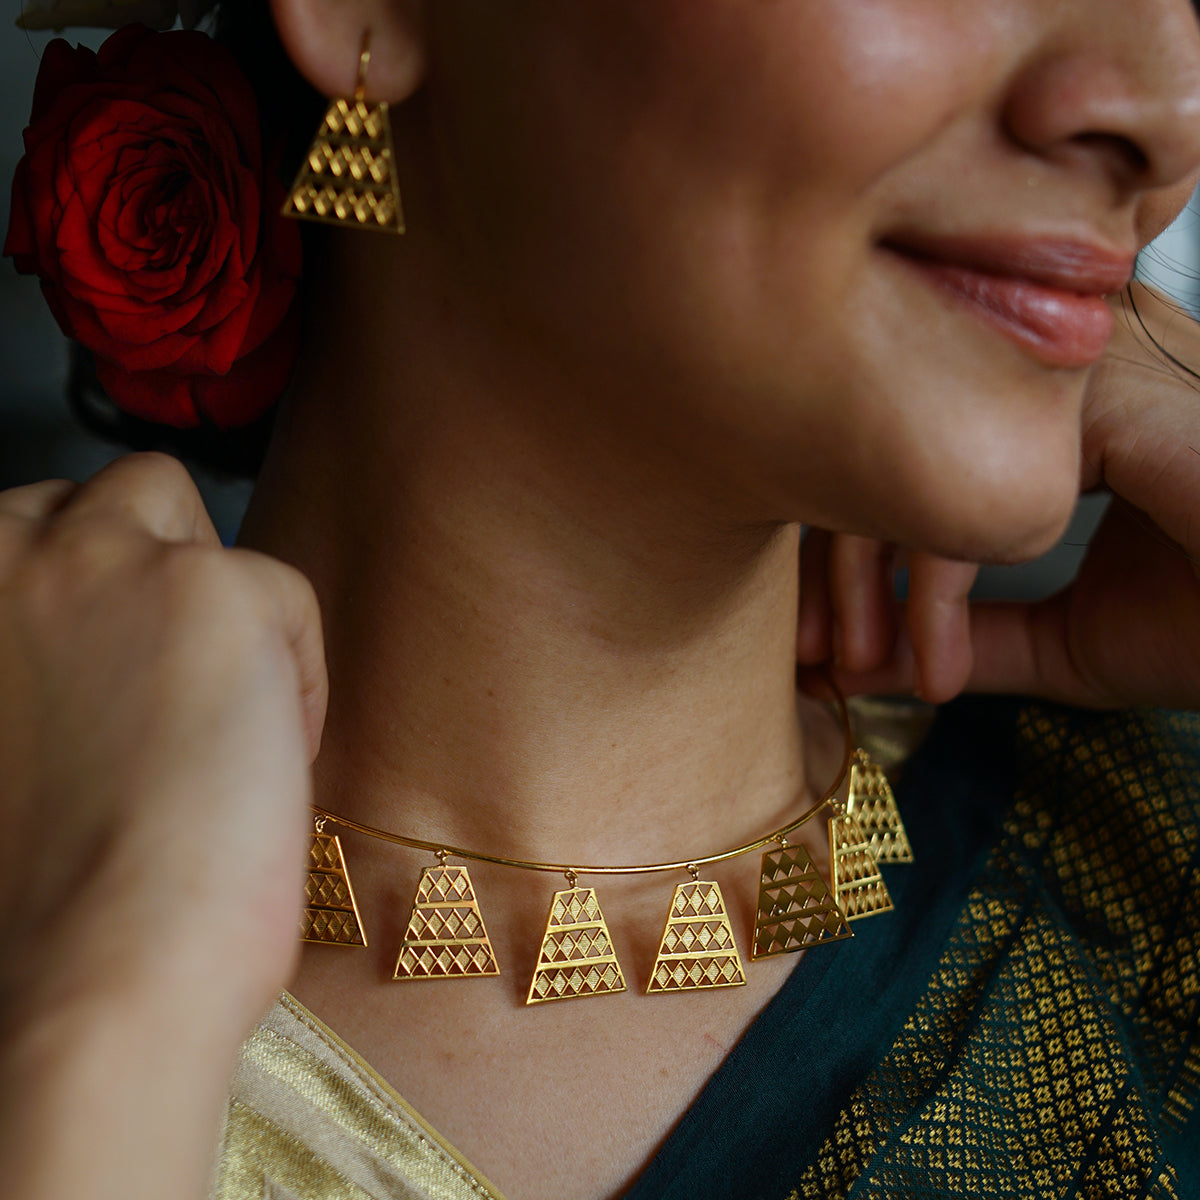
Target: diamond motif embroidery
795, 907
446, 937
331, 912
576, 958
698, 948
1012, 1075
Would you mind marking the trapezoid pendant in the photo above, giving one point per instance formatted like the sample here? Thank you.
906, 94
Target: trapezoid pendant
331, 911
872, 803
445, 937
577, 957
796, 909
348, 177
697, 949
858, 886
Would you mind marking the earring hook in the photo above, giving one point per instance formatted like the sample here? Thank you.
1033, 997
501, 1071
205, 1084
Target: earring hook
364, 61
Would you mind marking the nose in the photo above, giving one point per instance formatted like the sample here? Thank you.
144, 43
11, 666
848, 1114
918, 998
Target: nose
1114, 89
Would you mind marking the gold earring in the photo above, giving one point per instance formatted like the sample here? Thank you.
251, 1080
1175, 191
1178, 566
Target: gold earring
349, 175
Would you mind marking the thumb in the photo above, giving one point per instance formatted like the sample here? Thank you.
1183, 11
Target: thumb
290, 603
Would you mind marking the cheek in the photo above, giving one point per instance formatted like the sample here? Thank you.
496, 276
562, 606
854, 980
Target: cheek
686, 194
582, 134
1158, 209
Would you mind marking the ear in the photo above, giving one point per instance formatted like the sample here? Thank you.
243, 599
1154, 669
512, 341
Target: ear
324, 40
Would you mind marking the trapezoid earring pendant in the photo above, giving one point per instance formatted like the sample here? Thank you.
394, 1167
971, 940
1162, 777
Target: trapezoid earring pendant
331, 911
795, 906
348, 177
577, 957
858, 886
872, 803
445, 937
697, 950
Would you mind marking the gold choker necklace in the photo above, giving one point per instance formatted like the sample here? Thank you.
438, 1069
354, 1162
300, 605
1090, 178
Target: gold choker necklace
446, 938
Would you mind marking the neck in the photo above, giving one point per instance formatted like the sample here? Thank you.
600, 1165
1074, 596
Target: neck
541, 642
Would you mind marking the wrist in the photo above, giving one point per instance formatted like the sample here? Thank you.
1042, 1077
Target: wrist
109, 1094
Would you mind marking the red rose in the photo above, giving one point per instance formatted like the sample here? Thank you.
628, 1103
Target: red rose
143, 205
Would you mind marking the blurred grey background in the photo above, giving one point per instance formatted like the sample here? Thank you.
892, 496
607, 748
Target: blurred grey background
39, 438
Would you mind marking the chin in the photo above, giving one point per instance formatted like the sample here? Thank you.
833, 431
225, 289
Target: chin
1004, 527
1003, 489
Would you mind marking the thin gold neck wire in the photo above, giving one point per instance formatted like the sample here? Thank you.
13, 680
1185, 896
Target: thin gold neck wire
693, 863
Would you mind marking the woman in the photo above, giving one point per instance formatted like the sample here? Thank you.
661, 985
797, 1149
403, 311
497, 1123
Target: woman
678, 278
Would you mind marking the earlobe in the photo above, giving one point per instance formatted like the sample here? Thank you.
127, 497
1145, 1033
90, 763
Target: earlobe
323, 40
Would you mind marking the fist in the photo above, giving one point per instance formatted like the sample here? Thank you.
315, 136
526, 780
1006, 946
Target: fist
161, 699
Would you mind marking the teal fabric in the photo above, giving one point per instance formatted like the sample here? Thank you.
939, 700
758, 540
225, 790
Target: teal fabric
1025, 1023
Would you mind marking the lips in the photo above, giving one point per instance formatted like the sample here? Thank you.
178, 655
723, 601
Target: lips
1046, 295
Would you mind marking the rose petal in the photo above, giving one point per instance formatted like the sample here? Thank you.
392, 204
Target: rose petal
152, 395
139, 204
61, 64
254, 384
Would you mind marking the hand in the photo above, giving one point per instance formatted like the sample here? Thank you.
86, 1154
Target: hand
1126, 630
161, 699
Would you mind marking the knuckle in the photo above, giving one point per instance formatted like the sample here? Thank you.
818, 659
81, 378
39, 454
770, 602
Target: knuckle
148, 487
152, 467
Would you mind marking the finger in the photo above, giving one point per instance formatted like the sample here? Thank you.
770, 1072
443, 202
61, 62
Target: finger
153, 492
814, 626
864, 605
895, 677
938, 618
1139, 646
1021, 648
291, 605
36, 501
1142, 422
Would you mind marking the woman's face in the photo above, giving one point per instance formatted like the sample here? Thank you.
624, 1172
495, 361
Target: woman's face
847, 255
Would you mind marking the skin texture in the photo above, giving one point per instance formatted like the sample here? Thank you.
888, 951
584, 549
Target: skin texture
544, 467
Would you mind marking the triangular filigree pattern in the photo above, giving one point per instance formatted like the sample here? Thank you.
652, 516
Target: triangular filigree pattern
577, 957
697, 949
858, 886
349, 175
445, 937
873, 804
331, 912
795, 906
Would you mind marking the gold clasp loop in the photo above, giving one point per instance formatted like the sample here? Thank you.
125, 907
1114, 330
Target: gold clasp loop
694, 872
572, 877
442, 855
319, 820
